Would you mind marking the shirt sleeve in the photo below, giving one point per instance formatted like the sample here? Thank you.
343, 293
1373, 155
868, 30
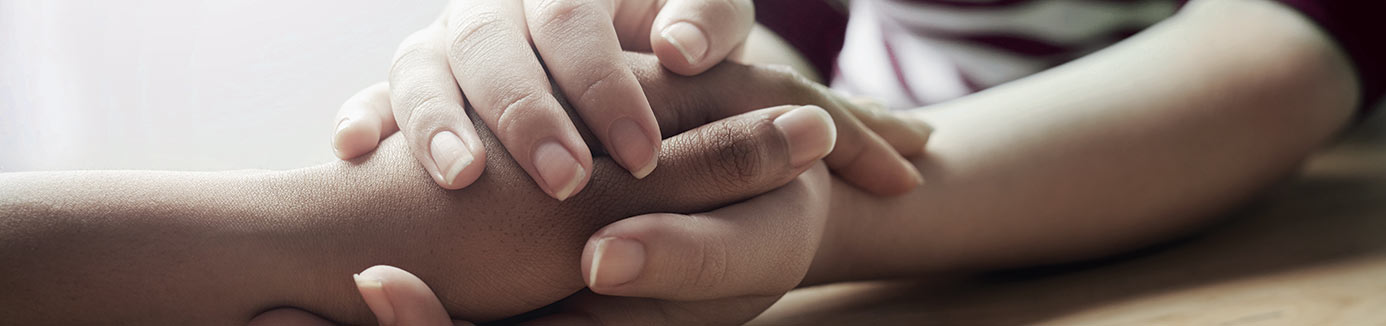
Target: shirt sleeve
816, 28
1356, 26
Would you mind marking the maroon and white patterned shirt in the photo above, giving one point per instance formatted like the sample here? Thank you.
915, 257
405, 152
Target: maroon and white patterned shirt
910, 53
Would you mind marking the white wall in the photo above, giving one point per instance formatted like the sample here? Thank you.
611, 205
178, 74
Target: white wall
187, 85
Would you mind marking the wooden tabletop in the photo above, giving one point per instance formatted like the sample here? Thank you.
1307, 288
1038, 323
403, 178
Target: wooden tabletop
1310, 252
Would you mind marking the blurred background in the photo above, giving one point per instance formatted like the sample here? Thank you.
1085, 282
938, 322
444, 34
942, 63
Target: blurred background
187, 85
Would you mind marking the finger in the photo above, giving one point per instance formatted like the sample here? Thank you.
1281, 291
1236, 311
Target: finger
489, 52
288, 317
866, 160
586, 308
863, 158
428, 107
363, 121
690, 36
905, 134
724, 161
874, 164
400, 298
578, 43
759, 247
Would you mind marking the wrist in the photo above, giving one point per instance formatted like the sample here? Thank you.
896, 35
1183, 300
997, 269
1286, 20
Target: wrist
839, 257
321, 226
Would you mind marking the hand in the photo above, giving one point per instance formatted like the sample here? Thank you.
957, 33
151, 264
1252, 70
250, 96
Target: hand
722, 267
508, 252
290, 238
396, 297
760, 249
491, 50
870, 155
764, 247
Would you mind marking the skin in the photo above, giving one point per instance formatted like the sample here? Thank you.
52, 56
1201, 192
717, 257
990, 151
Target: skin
1207, 109
87, 247
130, 247
1274, 89
1152, 137
510, 60
492, 50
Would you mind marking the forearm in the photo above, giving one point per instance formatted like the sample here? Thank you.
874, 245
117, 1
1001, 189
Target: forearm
203, 248
1117, 150
138, 247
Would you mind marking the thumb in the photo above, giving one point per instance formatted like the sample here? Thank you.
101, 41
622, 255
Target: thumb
398, 298
690, 36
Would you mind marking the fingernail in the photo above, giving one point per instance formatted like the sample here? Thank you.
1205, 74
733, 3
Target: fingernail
922, 128
918, 177
616, 261
559, 169
450, 155
634, 147
688, 39
373, 291
337, 136
810, 132
343, 124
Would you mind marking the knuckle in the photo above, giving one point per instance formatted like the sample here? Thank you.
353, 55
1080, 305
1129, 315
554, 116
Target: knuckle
731, 8
416, 97
471, 34
737, 159
425, 110
513, 108
711, 272
593, 86
560, 15
412, 49
746, 8
788, 81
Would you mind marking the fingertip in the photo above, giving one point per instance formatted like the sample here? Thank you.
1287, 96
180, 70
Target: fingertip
616, 255
614, 261
809, 132
899, 178
922, 128
683, 48
559, 170
916, 178
691, 36
288, 316
403, 297
372, 289
354, 137
633, 145
920, 132
456, 161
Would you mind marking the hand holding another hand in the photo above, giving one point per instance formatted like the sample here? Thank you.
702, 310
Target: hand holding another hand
501, 55
728, 264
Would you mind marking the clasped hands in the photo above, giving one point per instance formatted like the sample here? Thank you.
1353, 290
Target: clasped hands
731, 220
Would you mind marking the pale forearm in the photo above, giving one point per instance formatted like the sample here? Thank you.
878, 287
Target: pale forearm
1120, 149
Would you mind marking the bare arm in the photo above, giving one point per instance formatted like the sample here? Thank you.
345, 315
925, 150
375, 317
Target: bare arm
1117, 150
216, 248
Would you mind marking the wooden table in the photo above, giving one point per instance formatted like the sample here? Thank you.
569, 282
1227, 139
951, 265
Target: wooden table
1311, 252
